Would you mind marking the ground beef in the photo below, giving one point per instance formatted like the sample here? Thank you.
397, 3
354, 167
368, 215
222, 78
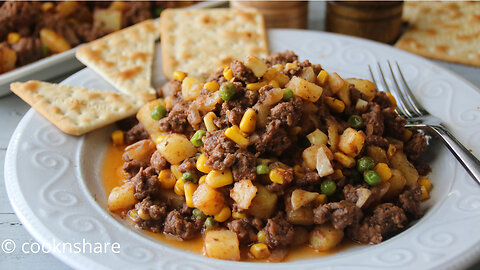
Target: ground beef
132, 167
217, 77
181, 226
341, 214
308, 178
219, 150
127, 123
244, 166
289, 113
394, 124
188, 165
274, 140
382, 99
135, 134
416, 146
146, 183
386, 219
423, 169
278, 232
59, 24
233, 111
373, 120
242, 73
158, 162
244, 230
156, 210
409, 201
376, 141
281, 58
17, 15
176, 121
170, 88
137, 11
87, 32
28, 50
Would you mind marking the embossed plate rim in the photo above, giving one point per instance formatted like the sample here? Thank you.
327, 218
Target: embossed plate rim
37, 225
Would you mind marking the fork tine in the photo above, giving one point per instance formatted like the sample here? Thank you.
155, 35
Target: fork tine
406, 104
401, 104
414, 102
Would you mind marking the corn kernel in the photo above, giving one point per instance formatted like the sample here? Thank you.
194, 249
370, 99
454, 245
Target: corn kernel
407, 135
425, 194
392, 100
13, 37
256, 86
260, 251
298, 171
228, 73
237, 215
391, 150
179, 75
338, 173
346, 161
202, 178
276, 175
384, 171
117, 137
143, 215
334, 104
261, 238
289, 66
166, 178
133, 214
178, 188
317, 137
274, 84
189, 188
47, 6
322, 77
235, 134
249, 119
425, 181
201, 164
223, 215
218, 179
208, 120
321, 199
159, 139
211, 86
176, 172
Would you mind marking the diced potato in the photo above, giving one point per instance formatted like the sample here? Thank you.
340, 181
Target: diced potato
172, 198
351, 142
377, 153
346, 161
256, 65
119, 5
301, 216
309, 156
107, 19
305, 89
301, 236
323, 164
191, 88
335, 82
207, 103
302, 197
317, 137
367, 87
53, 41
308, 74
141, 150
361, 105
8, 58
243, 193
363, 195
272, 97
175, 148
397, 183
344, 95
151, 125
325, 237
263, 205
122, 197
400, 162
333, 137
222, 244
273, 74
208, 200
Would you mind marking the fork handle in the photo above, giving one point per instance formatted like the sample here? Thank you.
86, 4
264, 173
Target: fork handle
465, 157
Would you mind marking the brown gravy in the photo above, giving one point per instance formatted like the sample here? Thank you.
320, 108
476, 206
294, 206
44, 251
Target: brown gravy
112, 176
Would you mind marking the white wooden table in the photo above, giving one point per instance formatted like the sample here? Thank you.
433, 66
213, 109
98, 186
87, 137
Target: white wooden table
12, 110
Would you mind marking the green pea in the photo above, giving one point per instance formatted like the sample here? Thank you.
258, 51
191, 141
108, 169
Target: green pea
198, 154
328, 187
197, 137
188, 177
263, 169
157, 11
287, 94
355, 121
365, 164
372, 178
210, 223
44, 50
158, 112
227, 91
198, 214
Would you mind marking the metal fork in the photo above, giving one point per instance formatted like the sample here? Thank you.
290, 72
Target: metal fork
418, 117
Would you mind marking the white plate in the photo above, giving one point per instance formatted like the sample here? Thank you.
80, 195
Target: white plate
53, 180
59, 64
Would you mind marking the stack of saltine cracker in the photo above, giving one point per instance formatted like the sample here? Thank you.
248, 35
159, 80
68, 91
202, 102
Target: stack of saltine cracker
448, 31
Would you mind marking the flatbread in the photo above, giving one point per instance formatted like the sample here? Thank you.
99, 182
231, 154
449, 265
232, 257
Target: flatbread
124, 58
76, 110
448, 31
200, 41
